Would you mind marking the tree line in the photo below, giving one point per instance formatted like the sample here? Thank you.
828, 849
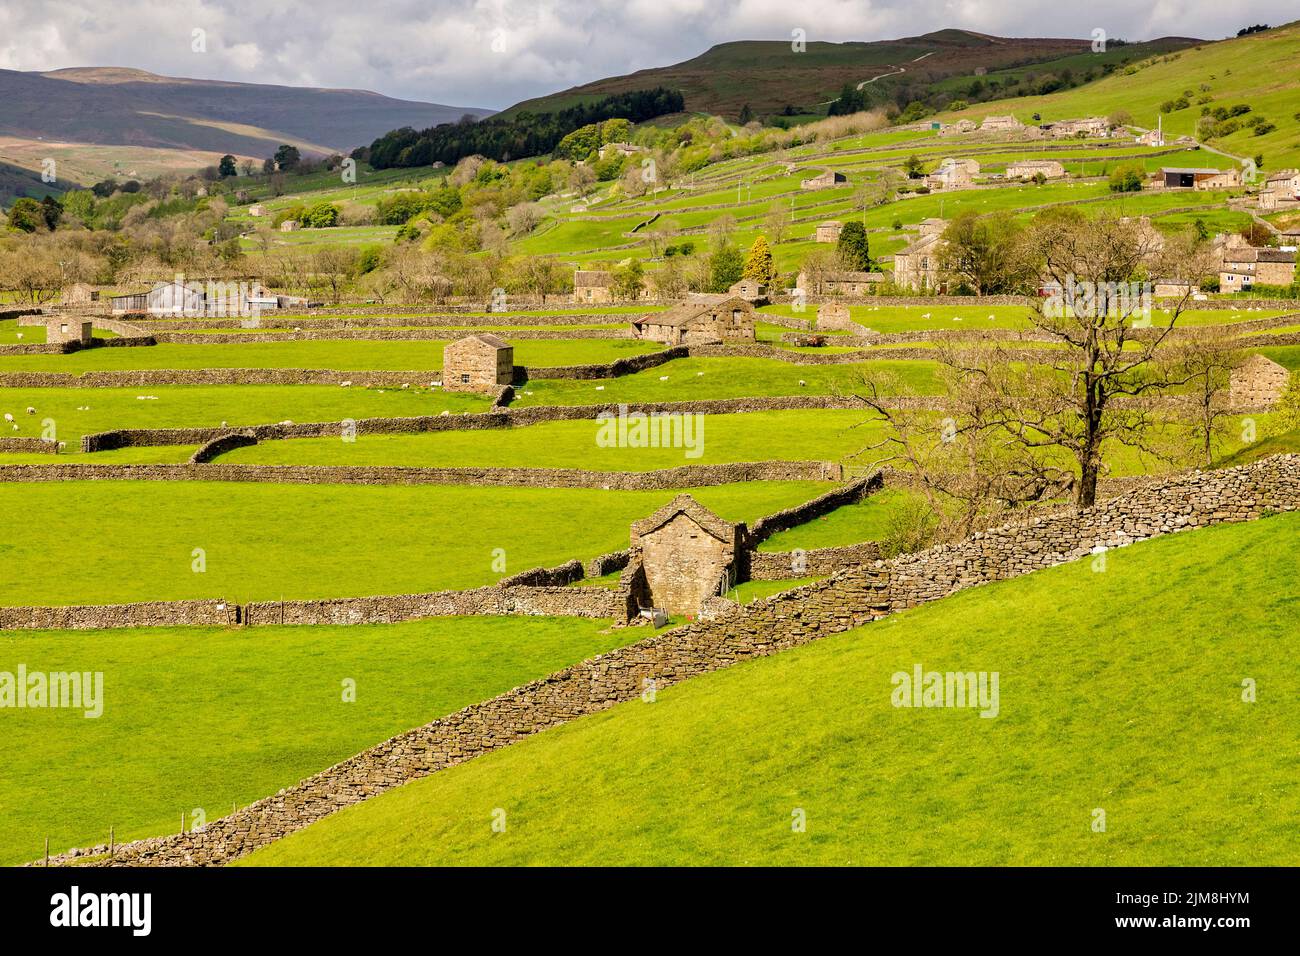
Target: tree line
524, 134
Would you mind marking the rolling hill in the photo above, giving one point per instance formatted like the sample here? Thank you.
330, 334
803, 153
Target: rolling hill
129, 115
1101, 677
768, 75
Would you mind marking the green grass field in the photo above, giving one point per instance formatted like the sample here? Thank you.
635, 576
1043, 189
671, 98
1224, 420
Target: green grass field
709, 378
203, 717
819, 434
269, 541
81, 411
1115, 693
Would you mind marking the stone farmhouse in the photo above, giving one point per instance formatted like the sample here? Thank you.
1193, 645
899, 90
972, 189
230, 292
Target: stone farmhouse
1257, 384
688, 554
593, 286
1281, 190
917, 266
999, 124
953, 174
709, 322
839, 283
1247, 266
1029, 168
825, 180
828, 231
256, 210
67, 328
290, 225
477, 363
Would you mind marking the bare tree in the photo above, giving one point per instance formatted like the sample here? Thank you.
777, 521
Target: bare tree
523, 218
776, 224
333, 268
1205, 359
538, 275
1096, 380
669, 280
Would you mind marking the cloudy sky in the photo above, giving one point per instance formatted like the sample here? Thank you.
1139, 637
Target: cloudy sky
493, 53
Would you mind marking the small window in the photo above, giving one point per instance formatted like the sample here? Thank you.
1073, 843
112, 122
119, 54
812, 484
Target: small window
464, 379
63, 328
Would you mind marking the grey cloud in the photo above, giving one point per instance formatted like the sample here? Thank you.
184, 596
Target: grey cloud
442, 50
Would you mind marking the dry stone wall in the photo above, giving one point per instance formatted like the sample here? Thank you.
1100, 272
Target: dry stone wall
846, 600
39, 446
684, 476
142, 614
780, 565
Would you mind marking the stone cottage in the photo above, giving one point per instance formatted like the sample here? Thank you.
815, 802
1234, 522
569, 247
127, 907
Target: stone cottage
699, 323
477, 363
1257, 384
1245, 267
67, 328
593, 286
839, 283
688, 554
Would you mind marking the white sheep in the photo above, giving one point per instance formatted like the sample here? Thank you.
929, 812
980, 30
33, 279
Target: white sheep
30, 410
8, 417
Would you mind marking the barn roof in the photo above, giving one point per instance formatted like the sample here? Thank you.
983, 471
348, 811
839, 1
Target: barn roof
685, 505
684, 314
592, 279
482, 338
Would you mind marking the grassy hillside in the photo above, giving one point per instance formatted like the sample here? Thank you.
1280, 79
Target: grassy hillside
769, 75
1259, 70
1115, 693
271, 541
200, 717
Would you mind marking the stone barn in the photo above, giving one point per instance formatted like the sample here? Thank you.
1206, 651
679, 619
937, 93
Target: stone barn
834, 317
67, 328
593, 286
477, 363
79, 294
688, 554
751, 290
699, 323
828, 231
1258, 383
826, 180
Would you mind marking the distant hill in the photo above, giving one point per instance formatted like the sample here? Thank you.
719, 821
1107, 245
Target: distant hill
769, 76
1260, 70
132, 109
